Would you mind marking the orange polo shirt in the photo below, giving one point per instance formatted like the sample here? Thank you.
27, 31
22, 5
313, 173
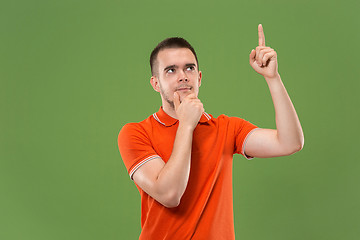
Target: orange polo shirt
206, 208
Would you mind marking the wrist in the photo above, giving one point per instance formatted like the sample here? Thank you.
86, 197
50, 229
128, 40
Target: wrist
275, 78
183, 126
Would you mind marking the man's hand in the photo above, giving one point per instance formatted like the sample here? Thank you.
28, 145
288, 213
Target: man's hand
264, 59
189, 110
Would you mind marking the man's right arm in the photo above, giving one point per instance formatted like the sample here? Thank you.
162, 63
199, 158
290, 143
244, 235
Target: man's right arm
166, 182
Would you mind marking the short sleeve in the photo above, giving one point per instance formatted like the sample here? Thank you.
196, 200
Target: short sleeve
242, 130
135, 147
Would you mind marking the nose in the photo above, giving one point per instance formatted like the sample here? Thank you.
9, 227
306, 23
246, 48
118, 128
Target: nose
183, 77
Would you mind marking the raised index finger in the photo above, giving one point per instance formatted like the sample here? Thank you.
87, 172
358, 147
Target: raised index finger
261, 35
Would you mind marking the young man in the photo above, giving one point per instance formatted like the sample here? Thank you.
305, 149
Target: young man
180, 158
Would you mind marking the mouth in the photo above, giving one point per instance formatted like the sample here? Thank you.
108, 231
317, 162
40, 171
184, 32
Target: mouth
183, 89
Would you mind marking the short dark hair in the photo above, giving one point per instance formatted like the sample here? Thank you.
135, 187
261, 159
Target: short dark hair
173, 42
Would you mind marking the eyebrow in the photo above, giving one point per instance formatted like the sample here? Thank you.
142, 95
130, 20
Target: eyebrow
190, 65
169, 67
175, 66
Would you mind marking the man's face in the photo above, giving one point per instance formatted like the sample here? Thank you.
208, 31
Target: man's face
177, 71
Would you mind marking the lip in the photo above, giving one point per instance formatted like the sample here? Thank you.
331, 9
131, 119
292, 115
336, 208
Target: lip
184, 88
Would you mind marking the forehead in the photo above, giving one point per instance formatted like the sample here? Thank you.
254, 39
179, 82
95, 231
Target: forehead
175, 56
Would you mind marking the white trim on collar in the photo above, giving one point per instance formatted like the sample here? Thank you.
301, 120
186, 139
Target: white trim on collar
157, 119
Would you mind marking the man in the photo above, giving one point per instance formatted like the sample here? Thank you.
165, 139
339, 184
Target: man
181, 157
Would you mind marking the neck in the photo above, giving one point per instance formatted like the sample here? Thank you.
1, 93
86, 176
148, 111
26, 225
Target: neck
169, 110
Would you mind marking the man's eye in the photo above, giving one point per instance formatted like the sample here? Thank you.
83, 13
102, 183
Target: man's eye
190, 68
171, 70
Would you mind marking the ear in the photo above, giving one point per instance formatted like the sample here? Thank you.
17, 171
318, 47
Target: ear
200, 76
154, 81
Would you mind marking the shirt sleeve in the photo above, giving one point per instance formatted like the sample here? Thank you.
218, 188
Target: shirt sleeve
242, 131
135, 147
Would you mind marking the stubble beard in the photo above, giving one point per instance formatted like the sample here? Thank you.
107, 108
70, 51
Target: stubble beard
166, 97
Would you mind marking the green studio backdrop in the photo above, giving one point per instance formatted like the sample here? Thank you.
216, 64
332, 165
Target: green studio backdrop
72, 73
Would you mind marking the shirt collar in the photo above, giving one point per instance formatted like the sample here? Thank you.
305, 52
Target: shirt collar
163, 118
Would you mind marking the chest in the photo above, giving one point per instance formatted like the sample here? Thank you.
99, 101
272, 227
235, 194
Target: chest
209, 142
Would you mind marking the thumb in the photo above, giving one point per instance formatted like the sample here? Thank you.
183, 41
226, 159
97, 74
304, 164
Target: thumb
176, 100
252, 56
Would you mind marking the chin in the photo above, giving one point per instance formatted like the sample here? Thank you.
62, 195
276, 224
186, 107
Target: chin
184, 94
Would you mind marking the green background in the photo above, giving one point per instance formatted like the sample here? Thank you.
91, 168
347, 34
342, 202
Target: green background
74, 72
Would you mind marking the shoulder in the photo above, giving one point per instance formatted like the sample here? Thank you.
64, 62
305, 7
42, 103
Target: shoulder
135, 128
233, 124
228, 119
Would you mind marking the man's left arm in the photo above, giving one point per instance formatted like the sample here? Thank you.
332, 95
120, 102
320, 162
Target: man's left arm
288, 137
